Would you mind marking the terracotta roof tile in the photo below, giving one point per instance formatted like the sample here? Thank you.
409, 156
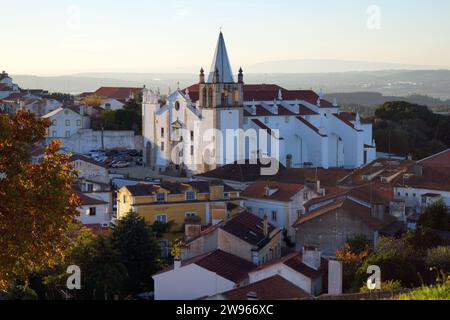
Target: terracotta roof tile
224, 264
239, 172
441, 159
311, 126
273, 288
284, 191
87, 201
76, 157
295, 262
119, 93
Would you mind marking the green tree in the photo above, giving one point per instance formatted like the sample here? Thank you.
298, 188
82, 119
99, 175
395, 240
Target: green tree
439, 258
102, 273
21, 292
436, 216
138, 250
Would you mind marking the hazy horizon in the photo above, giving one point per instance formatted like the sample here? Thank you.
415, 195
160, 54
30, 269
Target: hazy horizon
69, 37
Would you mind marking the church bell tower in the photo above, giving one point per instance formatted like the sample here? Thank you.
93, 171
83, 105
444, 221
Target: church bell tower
219, 89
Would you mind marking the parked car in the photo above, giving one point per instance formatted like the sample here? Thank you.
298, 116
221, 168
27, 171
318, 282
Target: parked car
133, 153
120, 164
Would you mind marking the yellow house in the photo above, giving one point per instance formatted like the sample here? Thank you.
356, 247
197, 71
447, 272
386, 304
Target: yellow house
175, 202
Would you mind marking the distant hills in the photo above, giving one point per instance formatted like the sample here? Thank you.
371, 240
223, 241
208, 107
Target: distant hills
390, 83
327, 66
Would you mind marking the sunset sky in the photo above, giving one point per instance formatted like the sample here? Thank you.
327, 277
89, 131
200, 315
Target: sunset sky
51, 37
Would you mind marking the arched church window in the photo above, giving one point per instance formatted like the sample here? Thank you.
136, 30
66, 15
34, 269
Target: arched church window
224, 96
236, 96
210, 98
204, 96
177, 105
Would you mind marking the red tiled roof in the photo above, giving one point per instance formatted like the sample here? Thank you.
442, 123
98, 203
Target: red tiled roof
282, 111
86, 94
433, 178
295, 262
224, 264
248, 227
351, 116
98, 230
441, 159
80, 157
285, 191
269, 92
310, 125
239, 172
5, 87
304, 111
245, 226
120, 93
273, 288
347, 122
15, 96
327, 177
360, 211
373, 193
263, 126
87, 201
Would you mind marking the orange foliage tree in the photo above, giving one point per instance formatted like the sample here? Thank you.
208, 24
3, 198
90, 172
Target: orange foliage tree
36, 205
93, 101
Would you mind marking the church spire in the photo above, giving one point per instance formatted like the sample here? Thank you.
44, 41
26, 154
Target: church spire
221, 63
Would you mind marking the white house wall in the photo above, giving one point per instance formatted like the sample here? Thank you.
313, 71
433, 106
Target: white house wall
189, 283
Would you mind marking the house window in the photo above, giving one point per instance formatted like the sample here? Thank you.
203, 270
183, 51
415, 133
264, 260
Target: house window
162, 132
92, 211
190, 214
274, 215
414, 195
192, 150
162, 146
305, 196
226, 195
124, 199
79, 123
108, 106
192, 135
67, 134
90, 187
261, 212
406, 194
160, 197
162, 218
190, 196
398, 193
67, 123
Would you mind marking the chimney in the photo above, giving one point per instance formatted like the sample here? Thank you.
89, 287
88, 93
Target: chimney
377, 211
312, 257
192, 227
177, 263
266, 226
335, 270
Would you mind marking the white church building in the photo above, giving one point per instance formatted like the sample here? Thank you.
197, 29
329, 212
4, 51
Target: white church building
193, 129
